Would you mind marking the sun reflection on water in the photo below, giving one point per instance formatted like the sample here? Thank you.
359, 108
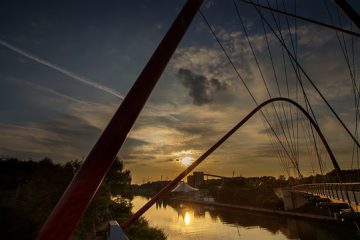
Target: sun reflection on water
187, 218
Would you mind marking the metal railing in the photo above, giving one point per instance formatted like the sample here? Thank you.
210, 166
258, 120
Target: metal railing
345, 192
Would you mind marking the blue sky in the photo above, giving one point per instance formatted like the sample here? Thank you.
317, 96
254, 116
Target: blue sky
65, 67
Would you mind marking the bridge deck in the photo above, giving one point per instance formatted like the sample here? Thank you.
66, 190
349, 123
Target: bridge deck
338, 192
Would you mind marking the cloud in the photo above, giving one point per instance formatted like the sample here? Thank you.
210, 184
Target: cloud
62, 70
201, 88
59, 140
167, 128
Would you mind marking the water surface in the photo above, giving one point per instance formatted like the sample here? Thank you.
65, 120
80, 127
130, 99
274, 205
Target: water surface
191, 221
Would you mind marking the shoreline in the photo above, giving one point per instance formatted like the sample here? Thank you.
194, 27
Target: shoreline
260, 210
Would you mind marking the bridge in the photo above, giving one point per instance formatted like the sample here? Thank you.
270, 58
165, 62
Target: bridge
197, 178
71, 206
342, 193
340, 199
215, 176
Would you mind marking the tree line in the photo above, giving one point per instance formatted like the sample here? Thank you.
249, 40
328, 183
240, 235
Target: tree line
30, 189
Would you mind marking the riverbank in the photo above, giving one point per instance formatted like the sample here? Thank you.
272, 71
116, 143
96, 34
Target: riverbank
260, 210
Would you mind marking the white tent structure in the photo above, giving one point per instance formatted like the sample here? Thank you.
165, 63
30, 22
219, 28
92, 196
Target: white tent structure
183, 187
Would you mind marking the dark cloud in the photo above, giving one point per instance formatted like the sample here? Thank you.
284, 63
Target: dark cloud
61, 139
195, 129
167, 160
133, 142
70, 125
201, 88
132, 150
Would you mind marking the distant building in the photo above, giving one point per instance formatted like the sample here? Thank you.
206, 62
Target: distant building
183, 187
185, 191
191, 181
196, 180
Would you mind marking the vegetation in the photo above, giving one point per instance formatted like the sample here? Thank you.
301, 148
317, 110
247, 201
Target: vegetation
255, 191
259, 191
30, 189
251, 191
149, 189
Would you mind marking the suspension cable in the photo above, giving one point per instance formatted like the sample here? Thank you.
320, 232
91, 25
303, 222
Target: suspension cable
298, 75
350, 12
245, 85
303, 18
309, 79
289, 143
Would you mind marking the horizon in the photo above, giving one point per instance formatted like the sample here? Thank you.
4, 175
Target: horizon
146, 179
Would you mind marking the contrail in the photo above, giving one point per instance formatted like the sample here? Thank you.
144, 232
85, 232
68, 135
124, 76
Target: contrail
70, 74
52, 91
62, 70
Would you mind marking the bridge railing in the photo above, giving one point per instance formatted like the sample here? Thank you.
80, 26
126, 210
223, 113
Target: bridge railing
346, 192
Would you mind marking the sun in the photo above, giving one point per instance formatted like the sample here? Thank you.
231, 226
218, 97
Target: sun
187, 161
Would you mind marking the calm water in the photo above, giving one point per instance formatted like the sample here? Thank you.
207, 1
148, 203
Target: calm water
190, 222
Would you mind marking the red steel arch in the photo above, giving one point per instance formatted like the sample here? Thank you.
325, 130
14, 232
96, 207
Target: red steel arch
174, 182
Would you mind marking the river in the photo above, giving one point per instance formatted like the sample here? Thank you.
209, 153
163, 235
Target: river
193, 222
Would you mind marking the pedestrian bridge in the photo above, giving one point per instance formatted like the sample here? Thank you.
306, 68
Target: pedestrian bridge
342, 193
67, 213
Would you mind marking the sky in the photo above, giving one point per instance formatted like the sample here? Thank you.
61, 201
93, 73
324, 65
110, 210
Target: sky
65, 67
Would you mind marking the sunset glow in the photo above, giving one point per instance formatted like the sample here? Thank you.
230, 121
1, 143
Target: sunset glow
197, 99
187, 161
